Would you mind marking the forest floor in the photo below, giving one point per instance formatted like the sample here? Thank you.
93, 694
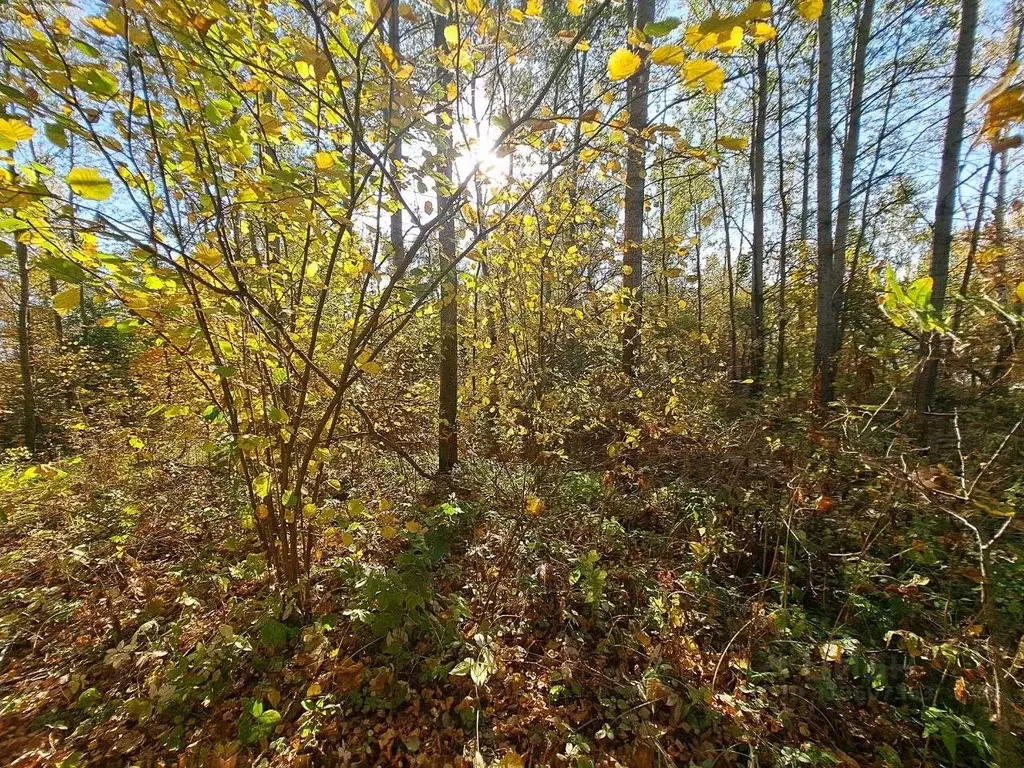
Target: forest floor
702, 619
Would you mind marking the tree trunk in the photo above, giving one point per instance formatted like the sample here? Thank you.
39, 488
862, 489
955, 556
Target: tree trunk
633, 247
942, 232
700, 282
805, 197
1010, 337
757, 245
780, 352
58, 323
28, 399
872, 172
448, 394
848, 165
730, 283
826, 325
397, 234
972, 249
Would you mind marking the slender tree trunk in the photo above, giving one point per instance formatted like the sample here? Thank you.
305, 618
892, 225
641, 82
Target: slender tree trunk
942, 232
826, 317
972, 250
662, 201
1010, 337
848, 165
448, 393
58, 323
632, 261
397, 233
700, 283
757, 246
805, 197
28, 399
730, 283
872, 172
780, 352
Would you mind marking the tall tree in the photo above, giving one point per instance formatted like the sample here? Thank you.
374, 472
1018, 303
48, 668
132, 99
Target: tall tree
397, 233
826, 325
942, 231
847, 167
757, 246
633, 234
805, 196
832, 250
448, 390
780, 351
1010, 337
730, 283
28, 398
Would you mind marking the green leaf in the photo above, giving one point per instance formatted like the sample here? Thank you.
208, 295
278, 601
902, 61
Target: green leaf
661, 28
56, 135
96, 81
919, 293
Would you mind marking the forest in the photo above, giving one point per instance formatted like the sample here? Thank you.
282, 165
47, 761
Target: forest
511, 383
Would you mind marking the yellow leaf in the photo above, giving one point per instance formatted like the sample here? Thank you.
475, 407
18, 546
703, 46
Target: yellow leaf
668, 55
534, 506
474, 6
101, 25
516, 15
575, 7
66, 300
700, 40
387, 55
763, 32
313, 690
703, 72
729, 42
810, 9
323, 160
511, 760
627, 270
413, 527
737, 143
1020, 292
622, 64
451, 36
89, 183
12, 131
388, 531
207, 255
759, 9
534, 8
